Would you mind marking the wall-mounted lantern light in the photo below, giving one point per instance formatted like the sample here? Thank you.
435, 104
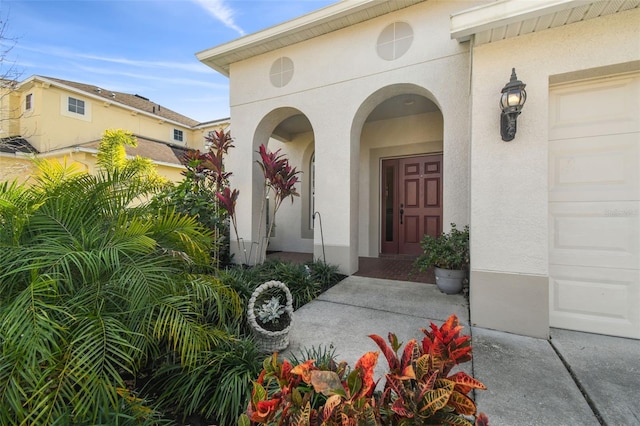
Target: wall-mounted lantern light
512, 99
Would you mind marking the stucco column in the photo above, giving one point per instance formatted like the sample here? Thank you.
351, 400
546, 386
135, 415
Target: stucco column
246, 178
336, 197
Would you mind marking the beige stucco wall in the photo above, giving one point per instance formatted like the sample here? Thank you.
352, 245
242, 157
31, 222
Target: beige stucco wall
509, 180
12, 168
338, 80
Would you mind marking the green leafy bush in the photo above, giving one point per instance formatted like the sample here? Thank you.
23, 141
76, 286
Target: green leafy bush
305, 282
216, 389
96, 294
196, 194
447, 251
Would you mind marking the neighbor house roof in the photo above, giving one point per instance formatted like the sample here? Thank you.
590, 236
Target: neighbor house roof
131, 101
331, 18
15, 145
159, 152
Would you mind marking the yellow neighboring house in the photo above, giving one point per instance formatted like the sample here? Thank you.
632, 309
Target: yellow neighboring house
60, 119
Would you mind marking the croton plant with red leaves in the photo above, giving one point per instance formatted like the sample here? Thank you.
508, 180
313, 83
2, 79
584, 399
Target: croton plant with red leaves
419, 387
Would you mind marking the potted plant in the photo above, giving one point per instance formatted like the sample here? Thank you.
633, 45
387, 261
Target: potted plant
270, 315
448, 254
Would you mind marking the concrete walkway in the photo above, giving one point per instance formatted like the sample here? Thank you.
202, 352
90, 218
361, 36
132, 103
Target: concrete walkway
572, 379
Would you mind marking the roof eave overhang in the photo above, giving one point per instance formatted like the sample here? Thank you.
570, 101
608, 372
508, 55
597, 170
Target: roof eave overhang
512, 18
319, 22
504, 12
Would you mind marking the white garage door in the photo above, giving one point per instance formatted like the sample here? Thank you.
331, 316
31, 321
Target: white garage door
594, 206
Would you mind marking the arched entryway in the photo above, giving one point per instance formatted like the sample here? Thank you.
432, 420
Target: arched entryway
401, 166
290, 131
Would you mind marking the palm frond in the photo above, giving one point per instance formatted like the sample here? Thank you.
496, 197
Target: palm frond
32, 335
181, 236
221, 305
175, 320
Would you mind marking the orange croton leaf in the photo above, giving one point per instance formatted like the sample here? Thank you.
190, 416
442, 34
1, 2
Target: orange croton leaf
407, 373
367, 363
329, 407
408, 355
460, 355
434, 400
462, 404
261, 377
464, 383
264, 410
304, 370
388, 353
285, 369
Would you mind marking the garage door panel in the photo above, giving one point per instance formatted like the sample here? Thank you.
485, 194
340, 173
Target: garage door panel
599, 107
595, 168
595, 234
594, 205
597, 300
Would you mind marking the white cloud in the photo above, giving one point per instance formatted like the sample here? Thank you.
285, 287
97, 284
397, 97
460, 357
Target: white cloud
166, 80
222, 12
64, 53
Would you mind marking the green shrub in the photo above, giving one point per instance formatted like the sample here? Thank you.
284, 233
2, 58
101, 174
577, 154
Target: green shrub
325, 274
448, 251
217, 388
305, 282
95, 294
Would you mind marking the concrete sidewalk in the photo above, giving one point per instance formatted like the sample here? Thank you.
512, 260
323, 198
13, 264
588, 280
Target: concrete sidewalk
572, 379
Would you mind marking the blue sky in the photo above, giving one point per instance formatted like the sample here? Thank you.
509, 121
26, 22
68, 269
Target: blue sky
145, 47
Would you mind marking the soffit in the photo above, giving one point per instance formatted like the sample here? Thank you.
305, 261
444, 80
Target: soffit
511, 18
331, 18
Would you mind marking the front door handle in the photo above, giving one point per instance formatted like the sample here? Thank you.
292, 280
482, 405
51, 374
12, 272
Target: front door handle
401, 212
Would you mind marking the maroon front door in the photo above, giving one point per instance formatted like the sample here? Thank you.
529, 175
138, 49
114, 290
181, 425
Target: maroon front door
411, 202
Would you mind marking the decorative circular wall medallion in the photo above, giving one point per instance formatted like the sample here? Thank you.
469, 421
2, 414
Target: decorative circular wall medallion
394, 41
281, 71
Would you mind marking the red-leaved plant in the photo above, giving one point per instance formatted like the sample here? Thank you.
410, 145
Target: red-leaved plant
280, 180
419, 388
419, 385
306, 395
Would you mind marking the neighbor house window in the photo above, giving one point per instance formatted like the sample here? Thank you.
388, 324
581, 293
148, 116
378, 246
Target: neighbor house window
178, 135
28, 102
76, 106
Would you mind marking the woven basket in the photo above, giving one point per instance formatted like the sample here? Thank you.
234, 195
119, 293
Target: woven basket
266, 340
